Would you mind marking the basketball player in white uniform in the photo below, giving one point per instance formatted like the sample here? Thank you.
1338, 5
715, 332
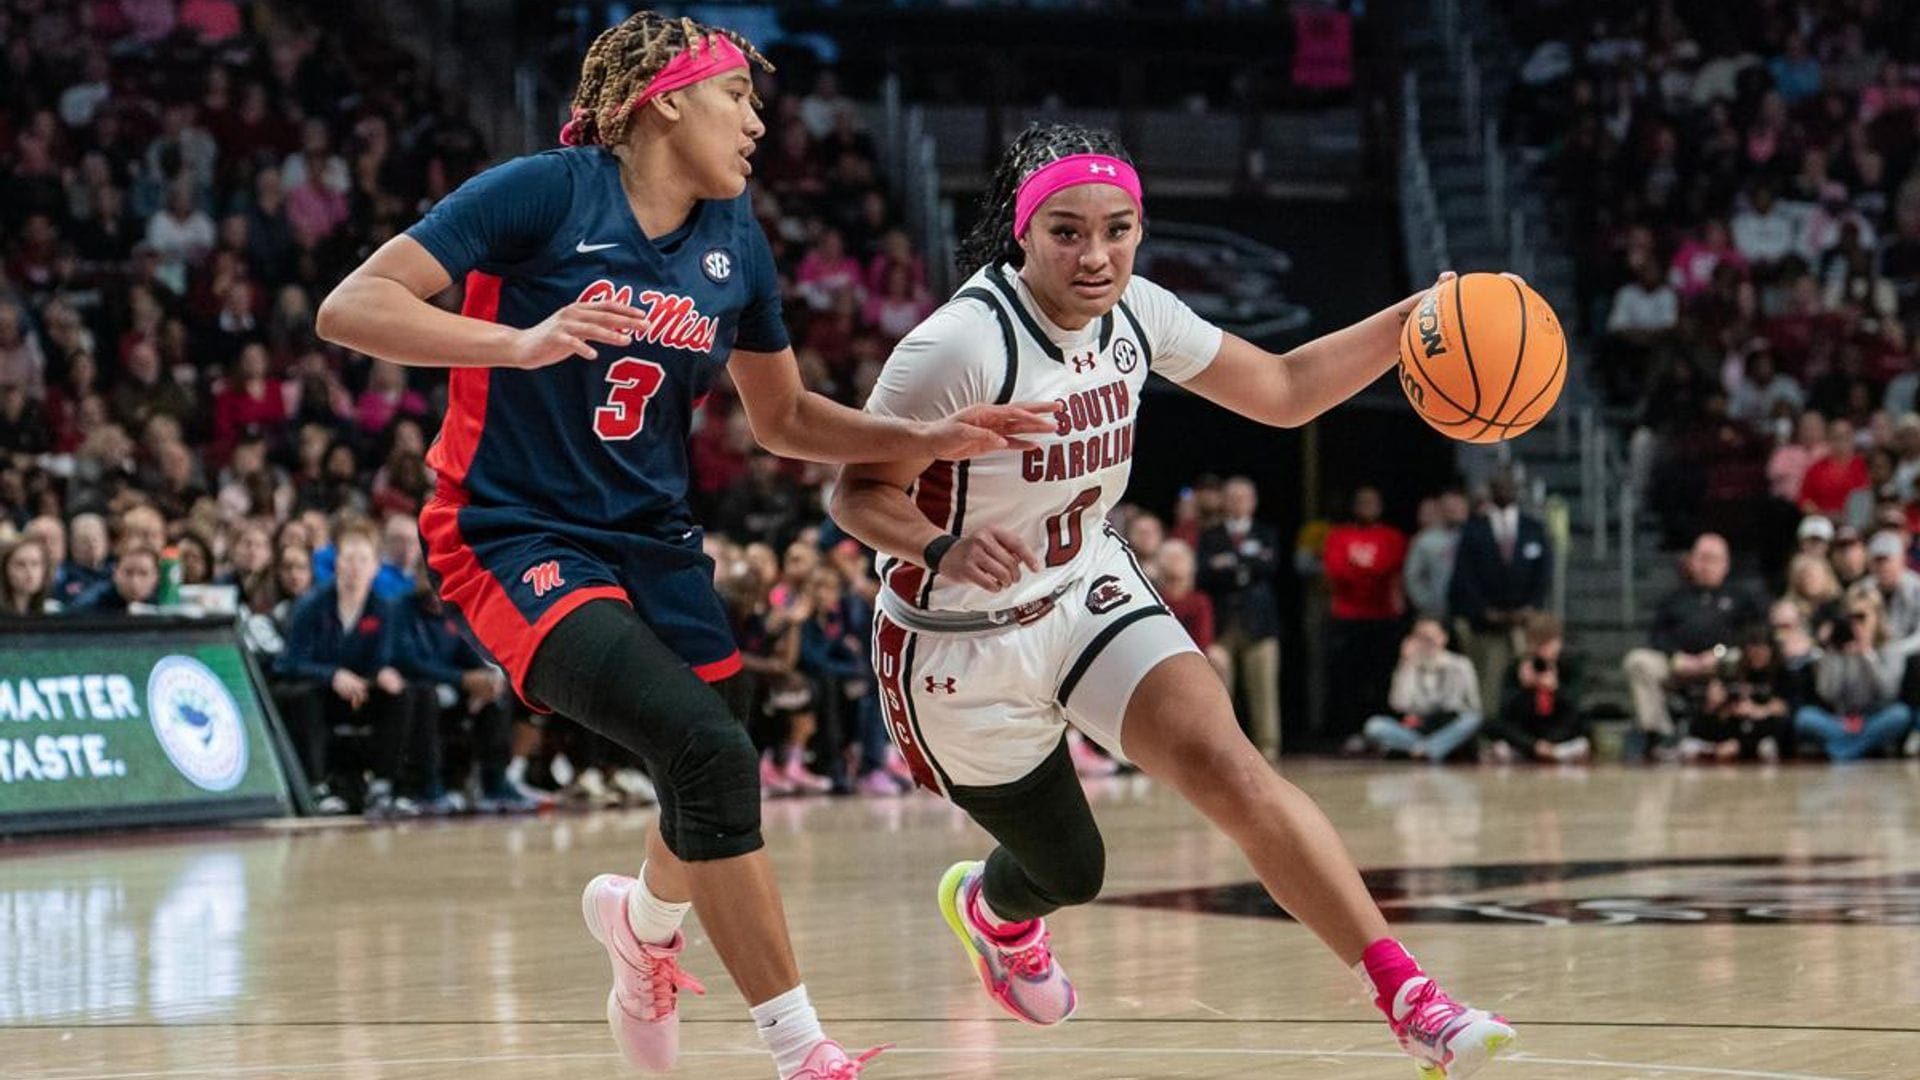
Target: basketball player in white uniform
1009, 611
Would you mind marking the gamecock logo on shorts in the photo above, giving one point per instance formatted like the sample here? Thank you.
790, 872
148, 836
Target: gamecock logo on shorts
544, 577
1106, 594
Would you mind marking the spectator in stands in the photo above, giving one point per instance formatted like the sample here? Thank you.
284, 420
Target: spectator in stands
26, 577
833, 656
1787, 468
195, 556
1500, 575
1364, 561
1745, 713
21, 360
453, 689
341, 652
1431, 554
24, 428
1539, 717
1693, 627
1238, 560
1697, 260
1435, 698
1757, 391
1145, 534
134, 584
87, 564
767, 506
1812, 587
1856, 685
1848, 556
1765, 231
250, 398
1175, 569
1836, 475
146, 390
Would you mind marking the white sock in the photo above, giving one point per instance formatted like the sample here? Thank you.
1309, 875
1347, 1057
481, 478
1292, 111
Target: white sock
789, 1028
654, 920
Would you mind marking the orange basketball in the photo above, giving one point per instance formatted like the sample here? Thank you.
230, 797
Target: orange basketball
1482, 358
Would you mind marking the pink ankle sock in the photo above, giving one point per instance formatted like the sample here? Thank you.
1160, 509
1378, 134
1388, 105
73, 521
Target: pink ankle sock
995, 927
1386, 966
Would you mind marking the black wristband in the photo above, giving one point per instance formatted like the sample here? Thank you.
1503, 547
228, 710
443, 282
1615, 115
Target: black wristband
937, 549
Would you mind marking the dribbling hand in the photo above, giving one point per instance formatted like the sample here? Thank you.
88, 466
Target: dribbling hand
982, 429
574, 330
990, 559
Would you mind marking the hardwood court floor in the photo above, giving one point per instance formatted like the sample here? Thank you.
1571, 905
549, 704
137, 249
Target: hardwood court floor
1653, 923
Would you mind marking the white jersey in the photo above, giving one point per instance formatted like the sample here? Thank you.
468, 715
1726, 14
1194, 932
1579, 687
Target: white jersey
991, 343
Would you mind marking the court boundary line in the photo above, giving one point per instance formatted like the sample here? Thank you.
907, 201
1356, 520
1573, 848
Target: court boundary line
714, 1021
1062, 1051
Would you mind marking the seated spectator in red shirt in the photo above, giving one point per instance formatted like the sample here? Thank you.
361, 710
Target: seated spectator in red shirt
1174, 572
1831, 479
250, 399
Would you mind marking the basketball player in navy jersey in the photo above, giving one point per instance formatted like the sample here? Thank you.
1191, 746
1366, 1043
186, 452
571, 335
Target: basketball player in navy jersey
606, 284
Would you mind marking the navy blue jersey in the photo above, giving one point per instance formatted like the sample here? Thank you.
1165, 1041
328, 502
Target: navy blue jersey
600, 443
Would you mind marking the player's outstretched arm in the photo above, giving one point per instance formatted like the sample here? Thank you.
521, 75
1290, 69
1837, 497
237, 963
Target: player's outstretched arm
1291, 389
870, 502
381, 309
792, 421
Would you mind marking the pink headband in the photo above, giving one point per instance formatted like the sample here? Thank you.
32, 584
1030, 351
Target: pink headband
1069, 172
703, 59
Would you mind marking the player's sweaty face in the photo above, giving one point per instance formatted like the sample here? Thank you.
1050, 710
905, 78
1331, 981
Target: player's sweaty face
1080, 248
719, 130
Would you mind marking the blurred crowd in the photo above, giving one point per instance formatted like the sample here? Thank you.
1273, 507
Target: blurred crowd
1742, 186
180, 182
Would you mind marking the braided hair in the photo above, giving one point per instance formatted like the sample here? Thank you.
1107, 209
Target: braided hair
992, 240
623, 59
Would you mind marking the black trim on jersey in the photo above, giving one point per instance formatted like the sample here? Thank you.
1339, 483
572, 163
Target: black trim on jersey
1026, 317
1135, 560
1106, 331
985, 296
1100, 641
913, 714
1146, 347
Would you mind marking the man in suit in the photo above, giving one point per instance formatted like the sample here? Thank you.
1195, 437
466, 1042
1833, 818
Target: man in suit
1499, 578
1238, 558
1694, 626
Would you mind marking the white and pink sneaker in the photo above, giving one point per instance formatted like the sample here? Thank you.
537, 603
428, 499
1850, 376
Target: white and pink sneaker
1017, 968
802, 780
1446, 1039
828, 1060
642, 1008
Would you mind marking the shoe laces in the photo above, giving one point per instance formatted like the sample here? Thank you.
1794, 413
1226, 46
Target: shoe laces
849, 1068
1032, 961
665, 979
1430, 1012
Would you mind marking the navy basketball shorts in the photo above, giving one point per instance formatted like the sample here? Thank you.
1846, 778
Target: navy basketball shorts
511, 578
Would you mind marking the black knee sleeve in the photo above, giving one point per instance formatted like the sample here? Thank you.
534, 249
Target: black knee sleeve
1050, 855
605, 668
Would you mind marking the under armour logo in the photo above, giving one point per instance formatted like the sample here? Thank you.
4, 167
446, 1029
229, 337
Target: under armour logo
1096, 169
1084, 363
544, 578
947, 687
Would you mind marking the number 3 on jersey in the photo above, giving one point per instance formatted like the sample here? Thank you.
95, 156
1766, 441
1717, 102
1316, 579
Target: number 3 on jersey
634, 382
1065, 534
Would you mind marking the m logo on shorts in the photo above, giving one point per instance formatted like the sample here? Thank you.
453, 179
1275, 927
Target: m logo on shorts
544, 577
945, 686
1106, 594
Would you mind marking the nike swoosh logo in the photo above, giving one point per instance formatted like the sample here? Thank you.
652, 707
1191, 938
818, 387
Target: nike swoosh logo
585, 248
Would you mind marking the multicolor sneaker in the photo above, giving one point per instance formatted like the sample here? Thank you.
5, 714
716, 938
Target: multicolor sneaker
642, 1008
1018, 971
828, 1060
1446, 1039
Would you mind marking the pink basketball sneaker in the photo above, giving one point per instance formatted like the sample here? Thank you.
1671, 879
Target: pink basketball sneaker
1019, 972
828, 1060
1448, 1040
642, 1007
